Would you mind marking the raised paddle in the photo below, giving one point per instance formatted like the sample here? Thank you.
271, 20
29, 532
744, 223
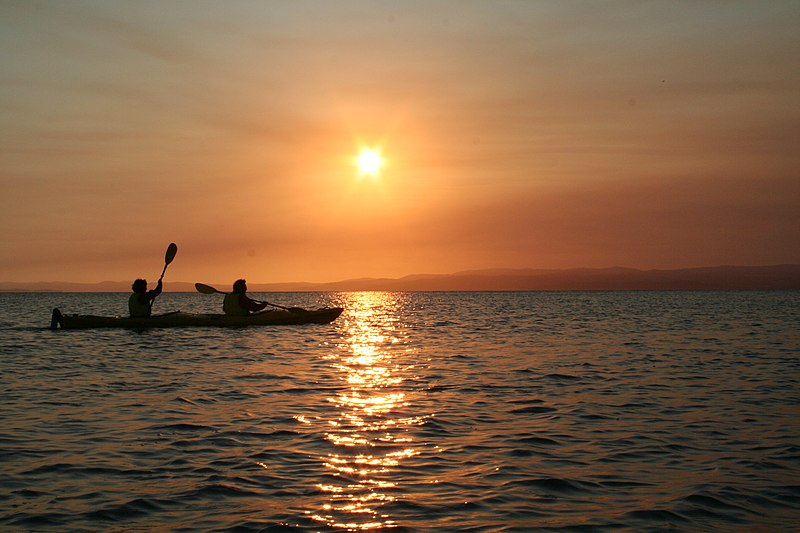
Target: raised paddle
208, 289
172, 249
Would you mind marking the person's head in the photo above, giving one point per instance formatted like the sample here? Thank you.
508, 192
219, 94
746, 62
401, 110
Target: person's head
139, 286
240, 285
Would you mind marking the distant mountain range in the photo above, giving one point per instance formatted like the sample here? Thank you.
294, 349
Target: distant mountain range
592, 279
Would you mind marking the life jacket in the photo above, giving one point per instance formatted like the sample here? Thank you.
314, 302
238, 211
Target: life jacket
231, 305
136, 307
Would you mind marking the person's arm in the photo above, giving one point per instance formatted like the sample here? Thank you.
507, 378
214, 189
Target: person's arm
251, 305
151, 295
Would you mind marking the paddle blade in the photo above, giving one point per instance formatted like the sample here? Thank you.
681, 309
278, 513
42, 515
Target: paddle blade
172, 249
206, 289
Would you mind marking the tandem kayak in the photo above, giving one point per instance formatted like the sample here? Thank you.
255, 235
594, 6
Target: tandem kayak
178, 319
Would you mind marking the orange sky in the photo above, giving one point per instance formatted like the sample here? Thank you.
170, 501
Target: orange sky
516, 134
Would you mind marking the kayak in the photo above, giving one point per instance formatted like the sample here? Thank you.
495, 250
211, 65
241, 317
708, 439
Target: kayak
178, 319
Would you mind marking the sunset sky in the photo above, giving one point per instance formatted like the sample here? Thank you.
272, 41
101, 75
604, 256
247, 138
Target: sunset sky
513, 134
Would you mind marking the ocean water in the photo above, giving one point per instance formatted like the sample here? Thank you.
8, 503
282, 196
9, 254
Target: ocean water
537, 411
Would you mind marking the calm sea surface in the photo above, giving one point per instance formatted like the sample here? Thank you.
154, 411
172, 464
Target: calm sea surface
533, 411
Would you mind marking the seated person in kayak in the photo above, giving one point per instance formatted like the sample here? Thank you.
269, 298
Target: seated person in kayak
237, 303
140, 303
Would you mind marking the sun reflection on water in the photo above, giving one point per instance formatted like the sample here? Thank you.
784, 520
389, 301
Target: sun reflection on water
369, 431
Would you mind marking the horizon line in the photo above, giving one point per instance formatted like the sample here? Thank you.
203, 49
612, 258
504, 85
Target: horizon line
496, 279
472, 271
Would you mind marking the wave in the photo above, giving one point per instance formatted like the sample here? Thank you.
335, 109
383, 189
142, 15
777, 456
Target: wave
557, 485
534, 410
135, 508
218, 490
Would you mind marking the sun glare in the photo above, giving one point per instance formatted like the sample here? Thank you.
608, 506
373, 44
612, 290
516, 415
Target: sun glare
369, 161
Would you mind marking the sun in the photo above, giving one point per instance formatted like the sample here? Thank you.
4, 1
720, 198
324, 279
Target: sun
369, 161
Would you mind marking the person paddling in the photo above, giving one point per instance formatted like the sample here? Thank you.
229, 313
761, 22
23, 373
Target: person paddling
237, 303
140, 303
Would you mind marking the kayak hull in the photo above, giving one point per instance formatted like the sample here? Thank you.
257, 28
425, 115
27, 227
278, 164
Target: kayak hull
178, 319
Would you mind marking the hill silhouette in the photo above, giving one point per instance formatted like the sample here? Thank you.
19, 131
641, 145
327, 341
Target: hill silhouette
617, 278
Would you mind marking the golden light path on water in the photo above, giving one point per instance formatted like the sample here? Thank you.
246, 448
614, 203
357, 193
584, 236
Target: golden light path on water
370, 430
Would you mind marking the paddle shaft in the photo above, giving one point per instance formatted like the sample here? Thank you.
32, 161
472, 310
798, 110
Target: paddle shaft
273, 305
